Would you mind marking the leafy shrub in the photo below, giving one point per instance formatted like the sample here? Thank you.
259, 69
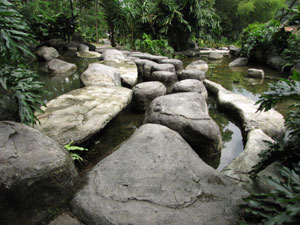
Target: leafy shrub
159, 47
281, 205
257, 39
71, 148
293, 48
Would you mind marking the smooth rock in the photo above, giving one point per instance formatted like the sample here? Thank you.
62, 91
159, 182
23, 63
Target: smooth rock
147, 56
239, 62
127, 69
47, 53
99, 74
240, 167
144, 93
187, 113
88, 54
112, 54
166, 77
245, 111
176, 62
140, 63
255, 73
275, 61
82, 48
190, 85
198, 65
215, 56
148, 70
81, 113
36, 174
192, 74
163, 67
156, 178
59, 67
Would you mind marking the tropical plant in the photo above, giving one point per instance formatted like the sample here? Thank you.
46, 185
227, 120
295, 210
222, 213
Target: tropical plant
17, 82
281, 205
71, 148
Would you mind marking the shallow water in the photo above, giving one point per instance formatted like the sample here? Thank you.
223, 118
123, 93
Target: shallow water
124, 124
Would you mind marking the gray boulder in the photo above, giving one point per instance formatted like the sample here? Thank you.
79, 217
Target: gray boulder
163, 67
198, 65
147, 56
59, 67
234, 51
156, 178
99, 74
215, 56
187, 114
245, 111
256, 73
112, 54
82, 48
148, 70
140, 63
36, 173
192, 74
88, 55
239, 62
190, 85
127, 69
176, 62
144, 93
65, 219
275, 61
81, 113
166, 77
47, 53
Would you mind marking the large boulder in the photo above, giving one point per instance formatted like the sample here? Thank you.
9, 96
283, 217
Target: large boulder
127, 69
190, 85
144, 93
245, 111
81, 113
47, 53
275, 61
99, 74
60, 67
198, 65
239, 62
112, 54
187, 113
148, 70
176, 62
156, 178
192, 74
140, 63
36, 174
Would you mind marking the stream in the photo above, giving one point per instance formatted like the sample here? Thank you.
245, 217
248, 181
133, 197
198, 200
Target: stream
124, 124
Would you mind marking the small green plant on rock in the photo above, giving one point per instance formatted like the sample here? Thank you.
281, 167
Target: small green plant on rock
71, 148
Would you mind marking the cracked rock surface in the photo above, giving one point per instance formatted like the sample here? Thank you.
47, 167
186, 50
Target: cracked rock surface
81, 113
187, 113
156, 178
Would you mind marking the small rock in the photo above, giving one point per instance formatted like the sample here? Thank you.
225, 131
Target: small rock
47, 53
192, 74
190, 85
239, 62
255, 73
198, 65
60, 67
82, 48
144, 93
215, 56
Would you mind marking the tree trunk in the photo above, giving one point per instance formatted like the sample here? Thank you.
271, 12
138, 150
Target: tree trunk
97, 35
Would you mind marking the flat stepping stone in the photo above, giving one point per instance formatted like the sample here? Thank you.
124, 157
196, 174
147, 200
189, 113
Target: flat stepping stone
190, 85
112, 54
215, 56
148, 56
166, 77
163, 67
198, 65
88, 54
176, 62
245, 110
144, 93
81, 113
127, 69
156, 178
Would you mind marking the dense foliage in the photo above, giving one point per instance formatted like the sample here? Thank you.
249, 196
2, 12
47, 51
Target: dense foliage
279, 206
17, 82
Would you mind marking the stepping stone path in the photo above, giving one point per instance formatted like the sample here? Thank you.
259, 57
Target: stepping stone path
190, 85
